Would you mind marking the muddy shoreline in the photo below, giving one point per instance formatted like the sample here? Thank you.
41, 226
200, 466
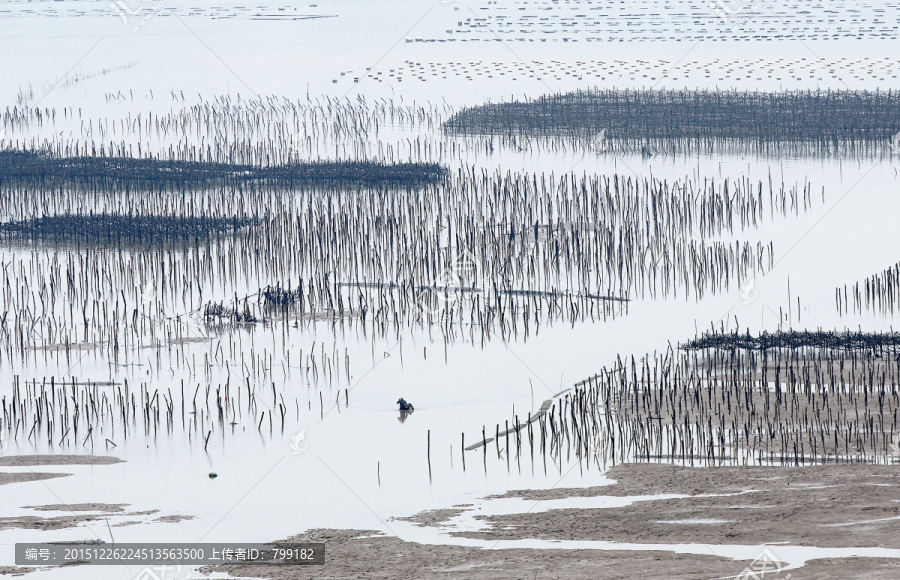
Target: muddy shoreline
822, 506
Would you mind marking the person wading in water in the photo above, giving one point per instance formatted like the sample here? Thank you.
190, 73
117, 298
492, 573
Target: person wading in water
405, 409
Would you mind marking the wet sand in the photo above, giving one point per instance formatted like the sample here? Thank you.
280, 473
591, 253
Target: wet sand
825, 506
46, 460
80, 507
349, 555
26, 477
34, 460
856, 505
76, 514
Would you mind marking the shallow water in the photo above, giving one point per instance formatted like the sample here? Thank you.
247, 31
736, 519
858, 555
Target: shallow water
266, 490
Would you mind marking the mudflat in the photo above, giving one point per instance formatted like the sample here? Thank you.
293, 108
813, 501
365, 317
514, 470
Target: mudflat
36, 460
855, 505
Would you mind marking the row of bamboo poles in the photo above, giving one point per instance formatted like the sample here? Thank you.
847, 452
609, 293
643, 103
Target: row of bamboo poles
536, 247
262, 132
70, 413
879, 292
726, 405
860, 123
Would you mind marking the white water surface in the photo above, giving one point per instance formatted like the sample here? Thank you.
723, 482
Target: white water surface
78, 54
